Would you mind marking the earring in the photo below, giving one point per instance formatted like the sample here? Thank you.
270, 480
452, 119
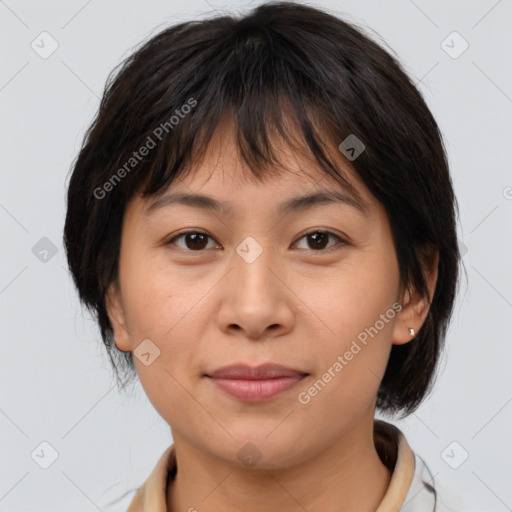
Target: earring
411, 331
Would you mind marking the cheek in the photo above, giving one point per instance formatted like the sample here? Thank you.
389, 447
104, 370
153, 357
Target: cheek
160, 313
357, 317
151, 301
164, 307
349, 299
350, 364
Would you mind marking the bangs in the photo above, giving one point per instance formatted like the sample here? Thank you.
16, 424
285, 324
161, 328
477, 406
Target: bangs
260, 129
250, 81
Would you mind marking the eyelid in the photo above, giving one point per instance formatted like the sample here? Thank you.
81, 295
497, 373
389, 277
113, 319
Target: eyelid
341, 239
172, 238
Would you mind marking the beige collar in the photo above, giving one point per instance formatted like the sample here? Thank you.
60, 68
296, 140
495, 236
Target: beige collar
390, 443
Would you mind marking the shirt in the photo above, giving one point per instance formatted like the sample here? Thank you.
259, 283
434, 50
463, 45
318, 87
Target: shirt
411, 488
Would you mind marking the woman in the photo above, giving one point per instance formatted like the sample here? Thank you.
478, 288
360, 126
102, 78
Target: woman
262, 219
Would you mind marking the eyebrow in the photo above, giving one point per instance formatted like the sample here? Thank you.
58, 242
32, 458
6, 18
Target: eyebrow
293, 204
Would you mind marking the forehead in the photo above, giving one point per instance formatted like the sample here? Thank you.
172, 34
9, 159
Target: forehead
222, 175
300, 192
293, 164
219, 180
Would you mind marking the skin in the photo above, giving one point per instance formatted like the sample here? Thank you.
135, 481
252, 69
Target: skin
205, 307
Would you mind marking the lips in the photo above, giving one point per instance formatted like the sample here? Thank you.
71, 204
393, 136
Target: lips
263, 372
256, 384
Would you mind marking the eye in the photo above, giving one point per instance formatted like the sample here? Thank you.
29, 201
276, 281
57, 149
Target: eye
318, 240
194, 240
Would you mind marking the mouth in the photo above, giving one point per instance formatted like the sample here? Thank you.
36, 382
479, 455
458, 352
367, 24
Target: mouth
256, 384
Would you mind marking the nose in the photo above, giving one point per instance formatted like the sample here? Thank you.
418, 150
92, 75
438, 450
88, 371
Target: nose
255, 301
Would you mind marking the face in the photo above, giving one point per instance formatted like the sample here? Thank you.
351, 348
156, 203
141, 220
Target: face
314, 289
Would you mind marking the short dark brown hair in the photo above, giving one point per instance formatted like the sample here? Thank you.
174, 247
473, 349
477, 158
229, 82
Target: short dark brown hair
281, 59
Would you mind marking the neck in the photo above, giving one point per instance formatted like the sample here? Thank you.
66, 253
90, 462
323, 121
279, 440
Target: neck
348, 476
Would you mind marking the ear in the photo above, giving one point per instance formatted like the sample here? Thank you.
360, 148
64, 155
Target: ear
415, 307
117, 317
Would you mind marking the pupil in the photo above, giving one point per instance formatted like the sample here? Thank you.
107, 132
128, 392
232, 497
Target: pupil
195, 241
322, 236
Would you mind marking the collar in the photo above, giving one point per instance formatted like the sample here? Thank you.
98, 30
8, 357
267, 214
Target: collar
390, 444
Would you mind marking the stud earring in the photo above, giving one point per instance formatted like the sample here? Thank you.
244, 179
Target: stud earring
411, 331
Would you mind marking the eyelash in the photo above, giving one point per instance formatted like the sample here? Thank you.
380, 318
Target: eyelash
340, 240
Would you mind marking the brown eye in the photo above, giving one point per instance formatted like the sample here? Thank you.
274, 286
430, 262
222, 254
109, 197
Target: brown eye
318, 240
194, 240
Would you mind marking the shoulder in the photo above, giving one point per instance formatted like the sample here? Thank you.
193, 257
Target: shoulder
425, 494
151, 496
412, 482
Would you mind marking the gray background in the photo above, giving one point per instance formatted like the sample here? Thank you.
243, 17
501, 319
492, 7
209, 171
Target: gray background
56, 385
